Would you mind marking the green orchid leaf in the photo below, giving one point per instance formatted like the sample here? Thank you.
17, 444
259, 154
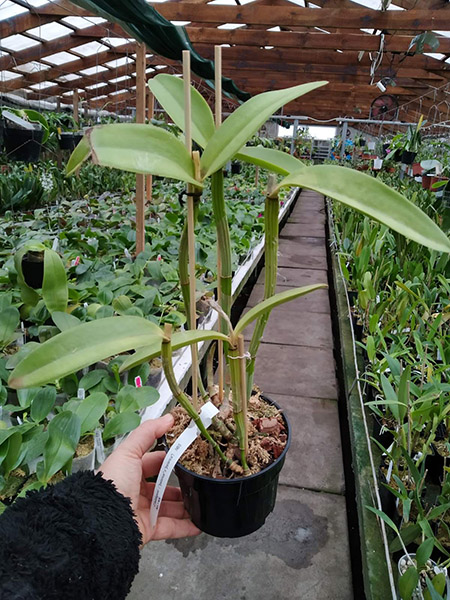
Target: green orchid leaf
269, 304
271, 159
378, 201
42, 403
81, 153
121, 424
54, 285
424, 552
36, 117
65, 321
81, 346
407, 583
239, 127
9, 321
435, 587
13, 447
179, 340
385, 518
133, 398
63, 437
169, 91
140, 149
28, 294
90, 410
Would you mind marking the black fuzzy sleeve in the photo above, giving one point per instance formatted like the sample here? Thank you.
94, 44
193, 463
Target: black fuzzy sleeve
76, 540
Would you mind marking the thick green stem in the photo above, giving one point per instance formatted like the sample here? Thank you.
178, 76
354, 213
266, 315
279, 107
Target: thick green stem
183, 266
166, 355
223, 243
270, 281
239, 400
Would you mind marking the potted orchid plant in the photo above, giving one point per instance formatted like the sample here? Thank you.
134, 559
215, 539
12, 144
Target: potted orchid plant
230, 478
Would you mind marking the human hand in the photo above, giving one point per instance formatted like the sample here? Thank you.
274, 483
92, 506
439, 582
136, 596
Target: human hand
129, 466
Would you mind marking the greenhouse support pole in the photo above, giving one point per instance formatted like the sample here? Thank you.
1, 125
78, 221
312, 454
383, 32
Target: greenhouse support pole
294, 135
150, 115
76, 104
140, 118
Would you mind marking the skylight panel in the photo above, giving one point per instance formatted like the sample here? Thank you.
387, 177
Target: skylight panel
68, 77
95, 86
180, 23
50, 31
93, 70
37, 3
276, 28
10, 75
119, 62
82, 22
60, 58
32, 67
18, 42
160, 67
117, 92
231, 26
90, 48
149, 70
9, 9
436, 55
115, 41
119, 79
42, 85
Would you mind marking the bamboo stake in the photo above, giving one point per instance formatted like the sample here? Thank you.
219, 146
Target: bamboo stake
140, 118
150, 115
190, 220
218, 119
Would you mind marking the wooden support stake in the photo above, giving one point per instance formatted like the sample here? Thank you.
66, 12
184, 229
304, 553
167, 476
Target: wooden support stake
140, 118
76, 107
191, 221
218, 120
150, 115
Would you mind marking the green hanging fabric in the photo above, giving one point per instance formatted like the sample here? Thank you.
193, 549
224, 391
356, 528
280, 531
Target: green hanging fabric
146, 25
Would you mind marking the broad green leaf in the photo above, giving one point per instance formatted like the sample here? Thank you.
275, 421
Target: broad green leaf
436, 587
81, 346
271, 159
407, 583
169, 91
64, 321
390, 396
63, 436
43, 403
121, 304
438, 510
9, 321
370, 348
121, 424
371, 197
54, 285
35, 117
133, 398
81, 153
26, 396
28, 294
272, 302
424, 551
239, 127
13, 449
179, 340
92, 378
90, 411
141, 149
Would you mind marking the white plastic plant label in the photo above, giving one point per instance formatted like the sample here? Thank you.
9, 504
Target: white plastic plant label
99, 447
81, 394
208, 412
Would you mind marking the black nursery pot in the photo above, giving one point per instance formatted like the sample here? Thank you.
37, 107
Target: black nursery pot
408, 157
232, 507
68, 141
23, 144
33, 269
236, 168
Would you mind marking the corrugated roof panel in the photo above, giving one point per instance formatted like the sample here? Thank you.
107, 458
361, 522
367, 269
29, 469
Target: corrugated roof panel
42, 85
32, 67
82, 22
68, 77
93, 70
90, 48
119, 79
9, 75
9, 9
96, 85
18, 42
50, 31
119, 62
116, 41
60, 58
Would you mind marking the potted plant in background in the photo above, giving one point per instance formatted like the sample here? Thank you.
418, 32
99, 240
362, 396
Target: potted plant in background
239, 433
412, 144
22, 140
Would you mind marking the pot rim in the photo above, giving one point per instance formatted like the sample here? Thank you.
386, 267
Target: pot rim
255, 475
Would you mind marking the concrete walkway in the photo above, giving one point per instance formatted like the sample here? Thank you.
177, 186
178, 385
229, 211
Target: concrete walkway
302, 552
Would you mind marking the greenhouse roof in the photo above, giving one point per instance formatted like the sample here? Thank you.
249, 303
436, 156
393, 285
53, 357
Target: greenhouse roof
50, 49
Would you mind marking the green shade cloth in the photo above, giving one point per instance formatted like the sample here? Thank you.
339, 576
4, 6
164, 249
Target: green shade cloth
146, 25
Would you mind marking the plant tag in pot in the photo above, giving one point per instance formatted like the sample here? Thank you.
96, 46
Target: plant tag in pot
99, 447
207, 413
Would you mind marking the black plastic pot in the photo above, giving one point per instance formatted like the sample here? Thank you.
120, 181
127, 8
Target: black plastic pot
232, 507
408, 157
236, 167
23, 144
33, 269
68, 141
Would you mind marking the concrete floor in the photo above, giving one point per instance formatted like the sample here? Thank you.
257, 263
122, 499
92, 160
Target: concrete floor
302, 552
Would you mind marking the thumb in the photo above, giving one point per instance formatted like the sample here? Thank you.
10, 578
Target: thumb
142, 438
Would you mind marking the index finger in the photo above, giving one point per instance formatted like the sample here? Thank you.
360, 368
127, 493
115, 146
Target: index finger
143, 437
